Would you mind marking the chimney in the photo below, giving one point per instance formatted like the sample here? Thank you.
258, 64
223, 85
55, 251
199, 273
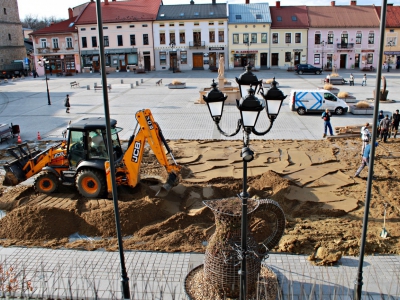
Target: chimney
70, 13
214, 1
390, 4
247, 1
332, 3
105, 2
191, 2
278, 4
353, 2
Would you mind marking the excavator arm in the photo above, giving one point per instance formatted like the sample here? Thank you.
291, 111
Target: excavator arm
128, 169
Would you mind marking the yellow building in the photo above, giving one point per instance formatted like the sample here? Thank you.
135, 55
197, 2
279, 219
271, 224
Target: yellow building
391, 49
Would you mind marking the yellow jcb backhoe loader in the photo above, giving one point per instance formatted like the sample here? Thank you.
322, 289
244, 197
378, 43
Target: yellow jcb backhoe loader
82, 160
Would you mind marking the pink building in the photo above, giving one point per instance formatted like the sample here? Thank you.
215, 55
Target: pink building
343, 37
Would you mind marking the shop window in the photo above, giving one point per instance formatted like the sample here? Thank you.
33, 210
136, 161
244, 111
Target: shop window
119, 40
183, 57
358, 37
84, 42
133, 40
145, 39
275, 38
182, 37
162, 38
94, 41
288, 38
316, 59
212, 36
371, 38
163, 58
297, 38
236, 38
288, 56
264, 38
220, 36
370, 58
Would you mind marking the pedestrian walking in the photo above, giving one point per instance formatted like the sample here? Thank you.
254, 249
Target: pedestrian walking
67, 104
364, 81
351, 80
326, 116
365, 159
385, 126
365, 137
395, 123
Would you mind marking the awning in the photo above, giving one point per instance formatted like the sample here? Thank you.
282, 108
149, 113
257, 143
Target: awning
110, 51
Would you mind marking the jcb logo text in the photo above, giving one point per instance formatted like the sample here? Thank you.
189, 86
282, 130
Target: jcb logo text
136, 152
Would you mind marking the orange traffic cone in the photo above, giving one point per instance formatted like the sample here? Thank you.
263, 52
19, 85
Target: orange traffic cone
38, 136
19, 141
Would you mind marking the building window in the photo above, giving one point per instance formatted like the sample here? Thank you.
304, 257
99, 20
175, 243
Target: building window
162, 38
212, 36
145, 39
93, 28
69, 43
119, 27
220, 36
238, 17
144, 25
163, 58
55, 44
43, 43
182, 37
254, 38
9, 36
133, 40
83, 29
316, 59
172, 37
288, 38
104, 27
196, 23
171, 24
84, 42
94, 41
184, 57
220, 22
275, 38
370, 58
264, 38
119, 39
258, 17
106, 41
317, 38
371, 37
245, 37
288, 56
236, 38
330, 38
181, 24
297, 38
131, 26
210, 23
162, 25
5, 10
392, 41
358, 37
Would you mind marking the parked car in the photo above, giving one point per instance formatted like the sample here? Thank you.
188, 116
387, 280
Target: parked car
306, 68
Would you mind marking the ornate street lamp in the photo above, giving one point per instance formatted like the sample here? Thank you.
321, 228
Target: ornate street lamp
172, 45
45, 63
248, 44
323, 44
390, 48
249, 107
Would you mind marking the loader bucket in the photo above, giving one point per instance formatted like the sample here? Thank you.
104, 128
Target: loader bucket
10, 179
166, 187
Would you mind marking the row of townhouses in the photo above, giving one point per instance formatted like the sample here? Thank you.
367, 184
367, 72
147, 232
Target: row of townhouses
147, 35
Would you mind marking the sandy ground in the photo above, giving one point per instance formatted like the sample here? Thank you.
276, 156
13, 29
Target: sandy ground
311, 180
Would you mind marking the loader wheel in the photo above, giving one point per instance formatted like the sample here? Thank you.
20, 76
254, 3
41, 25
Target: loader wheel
90, 183
46, 183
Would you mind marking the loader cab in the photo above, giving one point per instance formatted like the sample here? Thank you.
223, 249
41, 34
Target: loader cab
87, 141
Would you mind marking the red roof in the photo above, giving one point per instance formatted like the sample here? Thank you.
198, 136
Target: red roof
60, 27
287, 14
392, 15
121, 11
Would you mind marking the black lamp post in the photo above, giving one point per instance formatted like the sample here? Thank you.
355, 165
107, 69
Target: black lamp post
45, 63
249, 107
248, 44
390, 48
323, 44
172, 45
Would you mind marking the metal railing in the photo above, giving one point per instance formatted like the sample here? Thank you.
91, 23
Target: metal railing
197, 44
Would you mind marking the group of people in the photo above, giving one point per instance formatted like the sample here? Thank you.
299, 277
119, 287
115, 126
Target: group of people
351, 79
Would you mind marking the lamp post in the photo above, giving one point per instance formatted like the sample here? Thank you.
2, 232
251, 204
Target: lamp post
249, 107
390, 48
322, 45
44, 63
172, 45
248, 44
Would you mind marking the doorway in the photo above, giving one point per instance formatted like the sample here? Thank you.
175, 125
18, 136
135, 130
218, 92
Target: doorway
264, 61
343, 60
198, 61
172, 61
147, 64
274, 59
297, 58
357, 61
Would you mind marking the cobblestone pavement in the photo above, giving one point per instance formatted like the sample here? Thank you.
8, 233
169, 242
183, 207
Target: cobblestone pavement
81, 274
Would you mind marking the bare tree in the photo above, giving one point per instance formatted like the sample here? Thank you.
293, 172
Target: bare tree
33, 22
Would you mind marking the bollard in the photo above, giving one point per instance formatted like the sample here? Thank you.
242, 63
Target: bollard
141, 80
122, 81
88, 87
131, 85
137, 83
95, 84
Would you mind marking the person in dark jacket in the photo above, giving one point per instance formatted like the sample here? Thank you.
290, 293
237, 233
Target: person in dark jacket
67, 104
395, 123
326, 116
385, 126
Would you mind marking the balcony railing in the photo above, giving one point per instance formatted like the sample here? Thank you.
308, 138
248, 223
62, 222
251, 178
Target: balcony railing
345, 46
48, 50
199, 44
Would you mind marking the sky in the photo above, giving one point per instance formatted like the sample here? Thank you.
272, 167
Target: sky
59, 8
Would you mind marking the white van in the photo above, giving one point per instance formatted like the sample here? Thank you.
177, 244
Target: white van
304, 101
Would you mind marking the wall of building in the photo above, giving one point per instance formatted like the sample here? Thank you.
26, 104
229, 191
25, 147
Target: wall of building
11, 36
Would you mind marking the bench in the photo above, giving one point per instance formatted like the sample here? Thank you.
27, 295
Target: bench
100, 87
74, 84
337, 80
